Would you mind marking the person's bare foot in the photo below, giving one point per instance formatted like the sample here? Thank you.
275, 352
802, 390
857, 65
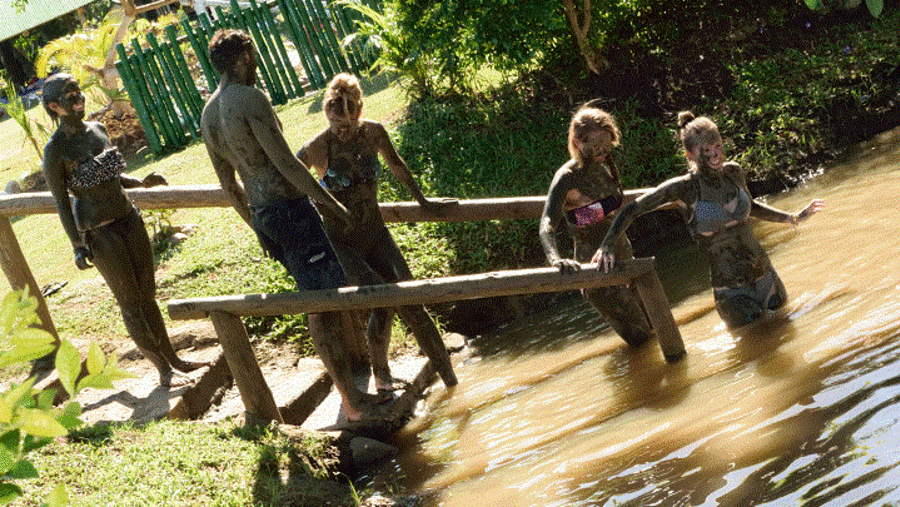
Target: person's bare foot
187, 366
368, 408
170, 379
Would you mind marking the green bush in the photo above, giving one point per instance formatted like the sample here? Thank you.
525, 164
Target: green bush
28, 419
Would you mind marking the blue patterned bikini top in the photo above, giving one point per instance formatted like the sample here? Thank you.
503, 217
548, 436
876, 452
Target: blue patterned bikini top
347, 169
711, 217
107, 165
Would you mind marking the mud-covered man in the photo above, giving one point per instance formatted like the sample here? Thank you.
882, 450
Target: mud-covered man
243, 136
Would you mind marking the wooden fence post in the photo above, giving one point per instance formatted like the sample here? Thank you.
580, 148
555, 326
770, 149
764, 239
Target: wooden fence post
19, 274
255, 392
660, 314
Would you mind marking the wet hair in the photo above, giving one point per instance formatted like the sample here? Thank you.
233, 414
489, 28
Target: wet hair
52, 91
226, 46
343, 95
696, 130
588, 119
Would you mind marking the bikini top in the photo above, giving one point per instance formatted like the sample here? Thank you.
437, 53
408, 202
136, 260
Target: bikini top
107, 165
711, 216
347, 169
595, 212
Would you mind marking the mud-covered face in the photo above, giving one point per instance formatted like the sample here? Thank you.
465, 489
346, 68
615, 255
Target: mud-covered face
595, 145
710, 155
70, 103
344, 127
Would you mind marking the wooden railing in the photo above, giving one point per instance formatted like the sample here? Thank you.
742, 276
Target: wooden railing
226, 311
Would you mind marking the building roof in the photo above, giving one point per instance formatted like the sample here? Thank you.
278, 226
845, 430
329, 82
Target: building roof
37, 12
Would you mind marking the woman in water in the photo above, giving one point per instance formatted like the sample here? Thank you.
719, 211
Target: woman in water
717, 205
586, 192
345, 156
102, 223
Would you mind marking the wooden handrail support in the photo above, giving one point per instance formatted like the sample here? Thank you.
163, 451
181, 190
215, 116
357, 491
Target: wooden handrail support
225, 311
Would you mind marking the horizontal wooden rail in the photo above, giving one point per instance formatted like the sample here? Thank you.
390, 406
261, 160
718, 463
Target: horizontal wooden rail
413, 292
455, 288
211, 196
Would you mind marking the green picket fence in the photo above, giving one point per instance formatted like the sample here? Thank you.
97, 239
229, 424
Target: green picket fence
167, 98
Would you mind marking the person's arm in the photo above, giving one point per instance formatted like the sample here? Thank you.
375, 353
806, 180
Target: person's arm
399, 169
266, 129
669, 191
228, 180
762, 211
768, 213
551, 217
54, 175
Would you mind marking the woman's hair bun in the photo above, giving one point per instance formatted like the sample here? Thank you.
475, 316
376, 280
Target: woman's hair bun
684, 118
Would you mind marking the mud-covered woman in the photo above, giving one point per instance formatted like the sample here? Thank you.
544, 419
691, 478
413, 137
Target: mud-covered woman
345, 157
586, 193
717, 206
103, 225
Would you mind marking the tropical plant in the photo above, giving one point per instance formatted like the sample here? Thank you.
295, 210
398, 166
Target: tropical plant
35, 132
28, 419
875, 6
84, 54
394, 49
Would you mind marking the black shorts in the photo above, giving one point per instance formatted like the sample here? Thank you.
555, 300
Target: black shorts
291, 232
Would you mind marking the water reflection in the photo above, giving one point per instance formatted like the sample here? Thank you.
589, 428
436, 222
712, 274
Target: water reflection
799, 410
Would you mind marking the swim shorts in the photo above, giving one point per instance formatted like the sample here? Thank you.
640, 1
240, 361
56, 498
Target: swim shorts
291, 232
741, 305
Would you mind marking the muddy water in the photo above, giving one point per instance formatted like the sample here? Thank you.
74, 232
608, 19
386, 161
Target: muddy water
803, 409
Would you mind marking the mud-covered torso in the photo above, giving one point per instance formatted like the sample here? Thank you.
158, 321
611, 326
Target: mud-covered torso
592, 195
91, 170
718, 218
351, 175
229, 114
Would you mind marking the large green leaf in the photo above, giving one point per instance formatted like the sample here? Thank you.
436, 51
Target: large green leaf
9, 492
68, 365
23, 469
875, 7
38, 423
10, 441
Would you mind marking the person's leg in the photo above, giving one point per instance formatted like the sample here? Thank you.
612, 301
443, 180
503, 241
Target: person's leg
387, 260
141, 254
622, 310
619, 305
112, 260
309, 258
325, 329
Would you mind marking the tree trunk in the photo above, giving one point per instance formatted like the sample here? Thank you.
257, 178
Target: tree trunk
14, 70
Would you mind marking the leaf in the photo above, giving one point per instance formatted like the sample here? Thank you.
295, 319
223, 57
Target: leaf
45, 399
97, 381
8, 313
59, 497
38, 423
10, 441
23, 469
68, 365
875, 7
9, 492
27, 344
32, 443
7, 460
6, 411
96, 361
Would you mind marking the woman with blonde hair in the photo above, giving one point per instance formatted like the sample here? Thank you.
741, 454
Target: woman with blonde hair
345, 157
587, 193
717, 205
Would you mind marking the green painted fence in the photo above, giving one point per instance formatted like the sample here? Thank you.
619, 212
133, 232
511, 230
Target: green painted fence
168, 99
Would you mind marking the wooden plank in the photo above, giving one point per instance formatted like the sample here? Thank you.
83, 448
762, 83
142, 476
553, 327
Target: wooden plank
413, 292
207, 196
19, 274
660, 314
255, 392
